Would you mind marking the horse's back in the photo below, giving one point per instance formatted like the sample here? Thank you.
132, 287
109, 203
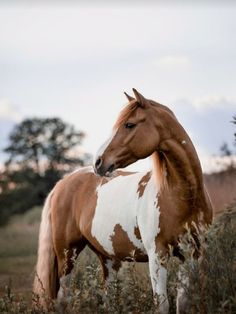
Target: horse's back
68, 191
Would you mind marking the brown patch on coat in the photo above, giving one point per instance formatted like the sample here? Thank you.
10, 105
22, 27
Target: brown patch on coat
124, 248
143, 183
115, 174
104, 180
181, 198
124, 173
137, 233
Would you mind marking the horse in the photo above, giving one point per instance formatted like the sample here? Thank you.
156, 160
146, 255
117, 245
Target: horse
122, 215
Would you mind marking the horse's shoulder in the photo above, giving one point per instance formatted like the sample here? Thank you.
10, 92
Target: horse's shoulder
79, 177
80, 173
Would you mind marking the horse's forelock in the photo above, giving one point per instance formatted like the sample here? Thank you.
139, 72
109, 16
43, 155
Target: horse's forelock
125, 113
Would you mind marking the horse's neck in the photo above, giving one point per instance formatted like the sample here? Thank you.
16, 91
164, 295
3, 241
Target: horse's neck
178, 171
178, 168
180, 176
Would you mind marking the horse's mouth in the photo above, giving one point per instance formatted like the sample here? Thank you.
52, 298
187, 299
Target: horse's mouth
105, 171
110, 169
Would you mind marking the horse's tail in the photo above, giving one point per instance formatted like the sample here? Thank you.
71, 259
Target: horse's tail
46, 277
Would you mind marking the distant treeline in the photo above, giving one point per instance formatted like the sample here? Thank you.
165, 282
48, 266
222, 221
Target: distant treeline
40, 152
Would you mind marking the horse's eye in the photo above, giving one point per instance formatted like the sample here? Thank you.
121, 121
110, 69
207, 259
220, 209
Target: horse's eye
129, 125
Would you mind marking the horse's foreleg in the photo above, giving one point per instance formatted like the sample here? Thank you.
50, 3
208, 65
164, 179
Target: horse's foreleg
158, 274
110, 268
182, 298
66, 261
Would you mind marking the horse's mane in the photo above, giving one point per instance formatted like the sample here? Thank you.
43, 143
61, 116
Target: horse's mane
159, 169
125, 113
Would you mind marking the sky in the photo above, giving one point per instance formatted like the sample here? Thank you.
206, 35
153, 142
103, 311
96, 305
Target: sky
74, 61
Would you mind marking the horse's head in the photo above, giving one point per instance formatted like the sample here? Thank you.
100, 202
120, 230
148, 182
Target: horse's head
135, 136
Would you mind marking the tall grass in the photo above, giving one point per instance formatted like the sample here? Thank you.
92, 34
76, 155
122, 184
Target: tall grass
211, 289
18, 247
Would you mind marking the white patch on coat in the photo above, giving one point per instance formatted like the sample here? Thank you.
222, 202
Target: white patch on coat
118, 202
158, 274
183, 142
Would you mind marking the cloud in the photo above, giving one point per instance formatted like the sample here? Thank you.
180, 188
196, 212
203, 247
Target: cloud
173, 62
208, 121
8, 111
74, 32
209, 102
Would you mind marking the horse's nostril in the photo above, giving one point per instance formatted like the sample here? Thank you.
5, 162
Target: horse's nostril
98, 163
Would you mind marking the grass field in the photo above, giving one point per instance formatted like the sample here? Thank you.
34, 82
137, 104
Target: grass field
131, 293
18, 246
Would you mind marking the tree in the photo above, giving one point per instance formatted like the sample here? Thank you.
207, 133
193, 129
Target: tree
44, 142
225, 150
234, 121
40, 152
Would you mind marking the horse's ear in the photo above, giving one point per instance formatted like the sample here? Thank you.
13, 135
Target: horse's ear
128, 97
140, 99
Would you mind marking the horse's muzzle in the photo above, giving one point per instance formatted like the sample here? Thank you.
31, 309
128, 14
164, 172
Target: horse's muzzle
102, 169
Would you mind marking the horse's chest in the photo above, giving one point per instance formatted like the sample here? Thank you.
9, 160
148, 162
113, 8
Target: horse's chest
125, 219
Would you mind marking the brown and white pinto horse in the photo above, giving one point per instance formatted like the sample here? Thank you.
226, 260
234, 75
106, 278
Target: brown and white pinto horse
123, 215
